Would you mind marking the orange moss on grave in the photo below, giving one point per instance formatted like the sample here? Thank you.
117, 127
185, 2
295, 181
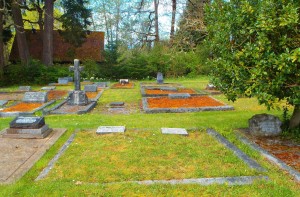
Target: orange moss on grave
23, 107
127, 85
56, 94
196, 101
184, 90
91, 95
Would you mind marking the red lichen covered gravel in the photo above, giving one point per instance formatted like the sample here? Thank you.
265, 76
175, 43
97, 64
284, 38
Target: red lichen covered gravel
196, 101
23, 107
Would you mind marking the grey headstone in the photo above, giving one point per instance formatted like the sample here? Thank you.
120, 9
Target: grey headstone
3, 102
77, 98
63, 80
210, 87
48, 88
35, 97
175, 131
101, 84
179, 96
70, 79
90, 88
116, 104
160, 78
24, 88
264, 125
110, 129
26, 122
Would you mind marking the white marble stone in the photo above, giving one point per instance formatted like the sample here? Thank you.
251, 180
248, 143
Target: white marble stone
175, 131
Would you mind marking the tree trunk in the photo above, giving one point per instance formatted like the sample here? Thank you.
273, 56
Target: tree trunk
172, 32
295, 119
156, 2
20, 33
48, 34
2, 62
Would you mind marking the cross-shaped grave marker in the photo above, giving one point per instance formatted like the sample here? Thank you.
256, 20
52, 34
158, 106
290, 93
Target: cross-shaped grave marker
77, 69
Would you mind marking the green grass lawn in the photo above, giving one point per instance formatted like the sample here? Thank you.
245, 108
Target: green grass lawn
142, 153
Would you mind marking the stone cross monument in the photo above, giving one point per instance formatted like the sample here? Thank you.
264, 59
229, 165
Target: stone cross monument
77, 69
77, 97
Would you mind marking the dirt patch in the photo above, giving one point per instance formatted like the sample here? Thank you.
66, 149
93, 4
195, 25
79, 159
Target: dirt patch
22, 107
196, 101
184, 90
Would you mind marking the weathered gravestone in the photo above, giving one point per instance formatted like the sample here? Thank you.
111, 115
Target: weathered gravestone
24, 88
102, 84
116, 104
77, 97
27, 127
40, 97
90, 88
160, 78
264, 125
63, 80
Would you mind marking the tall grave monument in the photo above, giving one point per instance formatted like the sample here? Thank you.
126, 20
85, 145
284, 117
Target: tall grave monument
77, 97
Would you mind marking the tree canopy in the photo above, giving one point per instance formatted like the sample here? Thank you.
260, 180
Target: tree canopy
256, 50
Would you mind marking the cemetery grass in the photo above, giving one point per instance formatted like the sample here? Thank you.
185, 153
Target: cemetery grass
142, 153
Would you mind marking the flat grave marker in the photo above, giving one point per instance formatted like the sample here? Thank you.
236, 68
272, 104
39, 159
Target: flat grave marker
24, 88
174, 131
110, 129
48, 88
179, 96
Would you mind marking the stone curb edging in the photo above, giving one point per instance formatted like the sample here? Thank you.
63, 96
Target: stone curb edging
50, 165
250, 162
271, 157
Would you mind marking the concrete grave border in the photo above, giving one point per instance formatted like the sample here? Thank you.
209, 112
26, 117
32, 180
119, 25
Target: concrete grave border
182, 110
294, 173
88, 108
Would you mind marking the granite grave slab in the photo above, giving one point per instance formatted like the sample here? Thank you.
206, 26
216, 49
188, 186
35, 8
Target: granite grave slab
40, 97
90, 88
24, 88
48, 88
179, 95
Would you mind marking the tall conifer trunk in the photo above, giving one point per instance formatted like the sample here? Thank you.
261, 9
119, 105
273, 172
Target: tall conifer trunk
48, 34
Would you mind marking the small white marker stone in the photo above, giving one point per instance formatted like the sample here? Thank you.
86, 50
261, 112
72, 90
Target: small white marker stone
175, 131
110, 129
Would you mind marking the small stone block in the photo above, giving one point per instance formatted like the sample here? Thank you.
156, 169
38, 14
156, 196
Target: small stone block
90, 88
179, 96
24, 88
48, 88
175, 131
169, 88
63, 80
39, 131
3, 102
41, 97
116, 104
101, 84
110, 129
